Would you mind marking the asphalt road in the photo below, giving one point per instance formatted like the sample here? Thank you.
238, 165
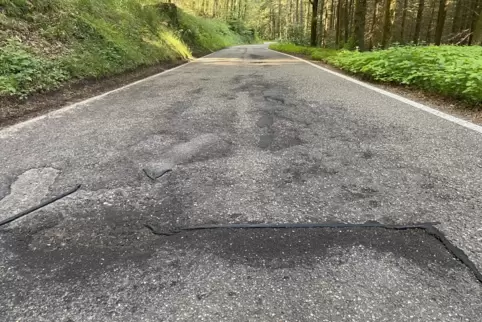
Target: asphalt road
250, 136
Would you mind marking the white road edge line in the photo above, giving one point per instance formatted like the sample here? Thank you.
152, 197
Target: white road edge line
15, 127
420, 106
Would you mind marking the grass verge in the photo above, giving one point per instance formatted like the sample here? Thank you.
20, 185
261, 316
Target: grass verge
452, 71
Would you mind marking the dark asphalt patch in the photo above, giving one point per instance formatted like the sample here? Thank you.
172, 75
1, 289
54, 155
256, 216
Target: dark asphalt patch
274, 99
265, 140
265, 121
284, 244
278, 247
428, 228
223, 267
290, 243
254, 56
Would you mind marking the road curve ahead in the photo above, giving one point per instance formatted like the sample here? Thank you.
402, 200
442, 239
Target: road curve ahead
244, 135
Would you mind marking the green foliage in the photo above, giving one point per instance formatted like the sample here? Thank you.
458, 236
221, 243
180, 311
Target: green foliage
15, 7
454, 71
450, 70
22, 72
296, 35
97, 39
315, 53
113, 36
205, 35
238, 26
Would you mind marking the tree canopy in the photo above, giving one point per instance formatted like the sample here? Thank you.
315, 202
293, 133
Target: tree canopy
365, 24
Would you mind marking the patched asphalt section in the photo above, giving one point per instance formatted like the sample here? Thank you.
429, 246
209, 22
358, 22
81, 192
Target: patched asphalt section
317, 274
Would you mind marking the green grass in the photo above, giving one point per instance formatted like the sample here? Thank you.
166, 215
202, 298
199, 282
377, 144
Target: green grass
22, 70
45, 43
315, 53
453, 71
203, 35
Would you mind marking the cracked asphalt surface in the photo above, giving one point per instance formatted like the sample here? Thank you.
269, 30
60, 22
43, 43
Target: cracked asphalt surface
249, 136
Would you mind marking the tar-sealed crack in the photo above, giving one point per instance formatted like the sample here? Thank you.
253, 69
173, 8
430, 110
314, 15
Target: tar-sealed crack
39, 206
153, 175
428, 227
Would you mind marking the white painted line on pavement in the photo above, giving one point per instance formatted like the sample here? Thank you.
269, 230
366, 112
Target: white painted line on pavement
15, 127
420, 106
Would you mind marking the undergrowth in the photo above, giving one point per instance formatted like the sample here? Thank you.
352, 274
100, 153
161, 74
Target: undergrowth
22, 70
454, 71
45, 43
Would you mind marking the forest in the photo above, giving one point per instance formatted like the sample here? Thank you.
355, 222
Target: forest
433, 45
362, 24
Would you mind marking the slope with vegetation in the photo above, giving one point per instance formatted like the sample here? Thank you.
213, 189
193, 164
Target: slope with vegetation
46, 43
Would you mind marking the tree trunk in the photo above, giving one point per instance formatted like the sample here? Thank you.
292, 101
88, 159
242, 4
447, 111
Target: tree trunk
290, 15
477, 34
387, 24
239, 9
374, 21
279, 18
226, 8
326, 22
429, 28
346, 22
215, 8
339, 20
359, 24
442, 13
332, 14
302, 16
457, 25
476, 9
297, 12
320, 22
418, 23
350, 17
314, 22
308, 17
466, 15
404, 18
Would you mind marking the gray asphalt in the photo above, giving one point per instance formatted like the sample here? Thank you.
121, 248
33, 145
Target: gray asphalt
250, 136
